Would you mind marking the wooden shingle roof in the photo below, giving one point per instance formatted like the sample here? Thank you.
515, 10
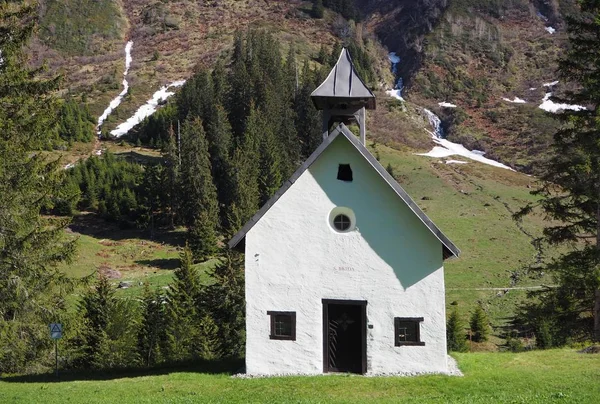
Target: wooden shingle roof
343, 84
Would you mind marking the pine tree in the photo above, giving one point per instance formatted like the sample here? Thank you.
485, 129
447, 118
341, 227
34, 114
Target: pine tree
227, 304
479, 324
245, 174
570, 189
200, 206
455, 333
31, 245
317, 9
182, 332
308, 121
151, 333
208, 347
170, 178
95, 307
240, 97
202, 237
220, 145
270, 178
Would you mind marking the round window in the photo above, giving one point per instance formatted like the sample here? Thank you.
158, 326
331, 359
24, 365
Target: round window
342, 219
341, 222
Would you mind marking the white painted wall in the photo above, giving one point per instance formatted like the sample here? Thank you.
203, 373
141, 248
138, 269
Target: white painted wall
294, 259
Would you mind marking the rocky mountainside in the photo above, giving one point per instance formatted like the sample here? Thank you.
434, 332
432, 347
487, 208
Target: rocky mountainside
487, 60
490, 59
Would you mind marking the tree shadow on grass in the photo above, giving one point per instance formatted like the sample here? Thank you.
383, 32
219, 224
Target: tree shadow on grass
161, 263
90, 224
217, 367
141, 158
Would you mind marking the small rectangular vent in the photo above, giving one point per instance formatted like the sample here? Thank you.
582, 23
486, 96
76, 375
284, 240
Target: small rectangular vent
344, 173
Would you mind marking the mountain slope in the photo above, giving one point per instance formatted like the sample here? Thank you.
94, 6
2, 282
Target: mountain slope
479, 55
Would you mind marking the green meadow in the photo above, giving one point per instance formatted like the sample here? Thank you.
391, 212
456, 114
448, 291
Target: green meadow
552, 376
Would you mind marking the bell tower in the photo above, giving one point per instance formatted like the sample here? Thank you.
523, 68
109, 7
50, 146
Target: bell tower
344, 97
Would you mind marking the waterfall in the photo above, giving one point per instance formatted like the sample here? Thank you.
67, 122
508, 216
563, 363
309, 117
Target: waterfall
436, 123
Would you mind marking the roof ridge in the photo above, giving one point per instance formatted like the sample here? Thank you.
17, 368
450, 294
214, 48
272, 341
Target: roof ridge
449, 248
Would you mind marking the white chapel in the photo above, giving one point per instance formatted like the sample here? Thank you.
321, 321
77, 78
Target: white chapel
344, 272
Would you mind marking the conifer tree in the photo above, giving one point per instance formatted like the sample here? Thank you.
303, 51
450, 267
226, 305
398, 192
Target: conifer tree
220, 146
308, 121
202, 237
31, 245
479, 324
182, 333
570, 189
227, 304
270, 178
323, 57
245, 173
318, 10
170, 177
208, 346
455, 333
219, 83
151, 334
240, 97
96, 307
200, 205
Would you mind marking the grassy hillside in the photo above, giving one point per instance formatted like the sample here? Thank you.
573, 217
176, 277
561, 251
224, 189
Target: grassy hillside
532, 377
473, 204
81, 27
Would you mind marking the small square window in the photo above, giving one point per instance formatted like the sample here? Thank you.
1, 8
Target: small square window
344, 173
283, 325
407, 331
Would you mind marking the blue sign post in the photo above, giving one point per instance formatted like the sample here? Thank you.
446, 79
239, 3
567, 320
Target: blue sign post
56, 334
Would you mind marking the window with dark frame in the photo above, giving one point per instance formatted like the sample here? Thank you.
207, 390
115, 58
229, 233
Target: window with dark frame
344, 173
342, 222
283, 325
407, 331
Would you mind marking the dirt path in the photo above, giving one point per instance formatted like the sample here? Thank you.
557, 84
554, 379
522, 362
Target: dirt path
540, 287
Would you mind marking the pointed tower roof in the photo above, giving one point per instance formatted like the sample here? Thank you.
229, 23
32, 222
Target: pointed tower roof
343, 85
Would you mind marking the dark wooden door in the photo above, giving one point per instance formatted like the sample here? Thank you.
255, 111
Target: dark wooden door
344, 334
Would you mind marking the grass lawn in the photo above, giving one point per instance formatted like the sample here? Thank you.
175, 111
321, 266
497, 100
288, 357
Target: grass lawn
532, 377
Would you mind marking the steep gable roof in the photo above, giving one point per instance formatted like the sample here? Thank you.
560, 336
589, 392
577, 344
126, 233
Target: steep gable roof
450, 249
343, 82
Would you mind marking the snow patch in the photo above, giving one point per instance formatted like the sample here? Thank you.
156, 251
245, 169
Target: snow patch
533, 89
550, 30
445, 104
397, 94
446, 148
147, 109
456, 162
551, 106
117, 100
552, 84
70, 165
516, 100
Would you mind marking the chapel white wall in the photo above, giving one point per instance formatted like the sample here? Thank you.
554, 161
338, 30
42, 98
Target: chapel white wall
294, 259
